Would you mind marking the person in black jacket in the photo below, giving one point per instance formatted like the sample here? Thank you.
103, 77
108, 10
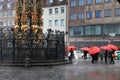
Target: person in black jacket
93, 58
85, 54
106, 56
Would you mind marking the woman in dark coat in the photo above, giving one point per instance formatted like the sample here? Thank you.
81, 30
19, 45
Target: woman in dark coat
71, 55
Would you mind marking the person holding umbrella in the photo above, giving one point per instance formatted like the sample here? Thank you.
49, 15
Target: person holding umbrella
93, 58
85, 51
85, 54
107, 49
106, 55
94, 51
71, 55
111, 54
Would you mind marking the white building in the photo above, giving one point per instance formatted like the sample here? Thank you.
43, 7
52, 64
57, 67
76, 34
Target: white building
55, 16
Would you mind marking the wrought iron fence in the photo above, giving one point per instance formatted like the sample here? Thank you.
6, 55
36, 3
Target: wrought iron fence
16, 50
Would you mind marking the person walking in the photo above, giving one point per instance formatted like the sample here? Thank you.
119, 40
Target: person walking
96, 56
101, 57
111, 53
106, 56
85, 54
93, 58
71, 55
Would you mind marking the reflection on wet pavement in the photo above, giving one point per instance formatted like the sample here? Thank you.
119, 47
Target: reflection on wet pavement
78, 70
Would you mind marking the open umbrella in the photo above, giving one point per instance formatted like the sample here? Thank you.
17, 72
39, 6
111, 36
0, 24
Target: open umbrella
105, 48
94, 50
112, 46
85, 48
71, 48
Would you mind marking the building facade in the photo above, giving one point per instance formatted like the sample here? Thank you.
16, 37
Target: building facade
94, 22
55, 15
7, 13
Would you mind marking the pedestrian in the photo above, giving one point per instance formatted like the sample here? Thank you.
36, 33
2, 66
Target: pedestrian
71, 55
96, 56
106, 56
85, 54
112, 54
93, 58
101, 57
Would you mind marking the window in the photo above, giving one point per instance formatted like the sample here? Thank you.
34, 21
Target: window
85, 30
109, 29
50, 11
62, 22
1, 14
50, 22
72, 16
1, 23
98, 14
9, 13
1, 6
9, 22
9, 5
108, 0
56, 22
98, 1
117, 28
13, 12
73, 3
107, 13
117, 12
81, 15
97, 30
81, 2
50, 1
5, 23
78, 31
5, 14
62, 9
71, 31
56, 10
89, 2
13, 22
89, 30
89, 14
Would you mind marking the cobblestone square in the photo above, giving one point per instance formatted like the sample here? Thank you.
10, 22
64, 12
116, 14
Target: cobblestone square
78, 70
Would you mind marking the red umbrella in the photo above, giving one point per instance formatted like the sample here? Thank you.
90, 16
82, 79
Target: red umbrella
105, 48
71, 48
94, 50
112, 46
85, 49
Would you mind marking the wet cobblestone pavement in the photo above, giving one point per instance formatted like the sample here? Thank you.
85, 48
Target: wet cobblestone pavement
78, 70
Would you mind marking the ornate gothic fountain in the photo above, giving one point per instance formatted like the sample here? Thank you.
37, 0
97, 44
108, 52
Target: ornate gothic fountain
30, 44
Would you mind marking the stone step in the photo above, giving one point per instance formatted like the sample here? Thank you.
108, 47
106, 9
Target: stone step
22, 64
